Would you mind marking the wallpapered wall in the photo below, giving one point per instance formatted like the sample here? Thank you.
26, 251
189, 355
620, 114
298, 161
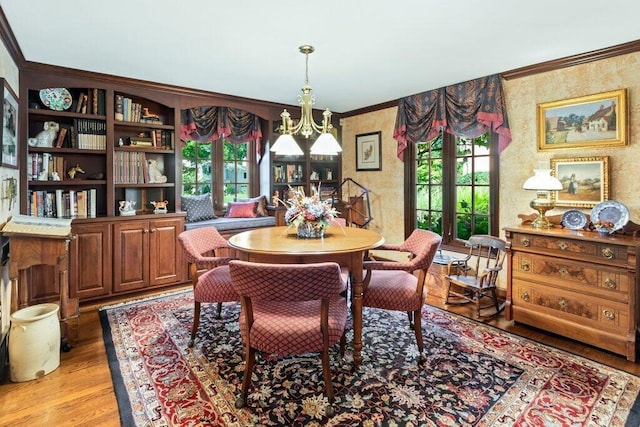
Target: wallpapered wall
518, 160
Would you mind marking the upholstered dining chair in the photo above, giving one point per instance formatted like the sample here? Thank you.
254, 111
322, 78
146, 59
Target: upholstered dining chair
202, 248
475, 276
399, 285
290, 309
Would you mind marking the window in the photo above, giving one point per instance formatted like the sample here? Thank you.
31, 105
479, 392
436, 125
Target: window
456, 182
219, 168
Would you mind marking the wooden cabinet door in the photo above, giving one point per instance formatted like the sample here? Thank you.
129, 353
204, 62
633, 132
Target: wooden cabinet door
165, 262
130, 255
90, 260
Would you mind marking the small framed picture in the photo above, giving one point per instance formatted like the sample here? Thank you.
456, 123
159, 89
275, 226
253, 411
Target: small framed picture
585, 181
9, 128
368, 151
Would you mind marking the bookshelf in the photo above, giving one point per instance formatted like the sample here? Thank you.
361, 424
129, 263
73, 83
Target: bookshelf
94, 137
305, 172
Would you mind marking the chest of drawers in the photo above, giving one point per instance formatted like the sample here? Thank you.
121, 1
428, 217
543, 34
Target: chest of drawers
577, 284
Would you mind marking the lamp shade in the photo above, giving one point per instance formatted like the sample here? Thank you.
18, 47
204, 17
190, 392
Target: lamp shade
542, 180
326, 144
286, 145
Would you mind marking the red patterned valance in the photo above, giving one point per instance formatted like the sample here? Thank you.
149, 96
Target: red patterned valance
466, 109
204, 124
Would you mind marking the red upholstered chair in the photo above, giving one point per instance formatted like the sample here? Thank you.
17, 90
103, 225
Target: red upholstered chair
202, 247
399, 285
289, 309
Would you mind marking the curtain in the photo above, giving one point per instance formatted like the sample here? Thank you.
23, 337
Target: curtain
466, 109
204, 124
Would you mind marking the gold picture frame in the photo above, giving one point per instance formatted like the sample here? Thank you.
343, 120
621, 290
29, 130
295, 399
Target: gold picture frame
585, 181
598, 120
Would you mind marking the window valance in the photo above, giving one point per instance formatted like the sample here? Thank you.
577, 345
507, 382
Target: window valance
204, 124
466, 109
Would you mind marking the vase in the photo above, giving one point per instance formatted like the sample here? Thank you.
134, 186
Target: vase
310, 230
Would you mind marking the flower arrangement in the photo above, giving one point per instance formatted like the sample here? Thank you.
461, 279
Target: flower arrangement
308, 212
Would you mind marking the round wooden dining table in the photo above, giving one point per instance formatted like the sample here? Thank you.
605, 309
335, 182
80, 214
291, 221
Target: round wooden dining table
344, 245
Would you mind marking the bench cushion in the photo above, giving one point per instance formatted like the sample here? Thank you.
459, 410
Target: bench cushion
224, 224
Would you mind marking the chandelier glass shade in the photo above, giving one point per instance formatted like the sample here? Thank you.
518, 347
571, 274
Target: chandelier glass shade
326, 143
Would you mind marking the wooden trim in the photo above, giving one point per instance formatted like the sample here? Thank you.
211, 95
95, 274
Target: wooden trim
542, 67
10, 42
570, 61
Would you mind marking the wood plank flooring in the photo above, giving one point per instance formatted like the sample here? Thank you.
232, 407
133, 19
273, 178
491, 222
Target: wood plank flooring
80, 391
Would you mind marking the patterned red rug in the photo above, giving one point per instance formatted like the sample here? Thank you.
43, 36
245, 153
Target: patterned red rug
475, 375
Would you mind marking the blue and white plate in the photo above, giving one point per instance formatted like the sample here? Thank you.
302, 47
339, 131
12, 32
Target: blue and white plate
611, 211
56, 98
574, 219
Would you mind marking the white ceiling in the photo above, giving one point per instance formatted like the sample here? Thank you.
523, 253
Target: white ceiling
367, 51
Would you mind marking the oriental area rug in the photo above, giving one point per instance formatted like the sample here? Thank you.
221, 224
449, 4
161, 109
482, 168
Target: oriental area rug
475, 375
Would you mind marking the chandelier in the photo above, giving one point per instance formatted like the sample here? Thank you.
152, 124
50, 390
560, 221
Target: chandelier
326, 143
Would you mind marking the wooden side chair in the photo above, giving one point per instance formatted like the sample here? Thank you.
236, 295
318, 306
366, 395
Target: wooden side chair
474, 277
201, 247
290, 309
394, 285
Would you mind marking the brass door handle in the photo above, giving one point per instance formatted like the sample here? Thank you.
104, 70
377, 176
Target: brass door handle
610, 283
608, 314
526, 266
526, 242
563, 246
525, 296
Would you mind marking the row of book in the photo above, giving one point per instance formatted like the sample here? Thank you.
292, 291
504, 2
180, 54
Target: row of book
128, 111
86, 134
91, 102
157, 138
130, 167
62, 204
288, 173
45, 167
92, 134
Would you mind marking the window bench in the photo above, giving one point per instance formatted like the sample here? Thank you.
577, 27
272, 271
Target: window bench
230, 226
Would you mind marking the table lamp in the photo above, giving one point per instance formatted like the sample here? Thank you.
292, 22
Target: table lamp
542, 183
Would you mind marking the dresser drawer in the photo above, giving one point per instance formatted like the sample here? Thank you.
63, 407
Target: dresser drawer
594, 251
578, 276
572, 307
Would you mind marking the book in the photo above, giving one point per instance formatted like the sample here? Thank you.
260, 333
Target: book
119, 114
61, 135
79, 102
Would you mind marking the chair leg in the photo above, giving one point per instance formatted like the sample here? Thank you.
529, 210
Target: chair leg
196, 323
328, 386
476, 299
219, 311
410, 316
417, 329
250, 361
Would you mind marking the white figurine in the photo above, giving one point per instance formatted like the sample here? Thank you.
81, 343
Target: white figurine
46, 137
155, 175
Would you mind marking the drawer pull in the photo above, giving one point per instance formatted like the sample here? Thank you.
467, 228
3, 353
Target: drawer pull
562, 303
563, 246
611, 284
526, 266
563, 271
607, 253
608, 314
525, 296
525, 242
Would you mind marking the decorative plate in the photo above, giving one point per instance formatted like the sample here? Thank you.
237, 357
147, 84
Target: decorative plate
574, 219
612, 211
56, 98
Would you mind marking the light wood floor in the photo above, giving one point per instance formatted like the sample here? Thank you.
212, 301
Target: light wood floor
80, 391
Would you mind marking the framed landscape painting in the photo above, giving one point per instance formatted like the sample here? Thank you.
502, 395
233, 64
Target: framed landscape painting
598, 120
9, 128
585, 181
